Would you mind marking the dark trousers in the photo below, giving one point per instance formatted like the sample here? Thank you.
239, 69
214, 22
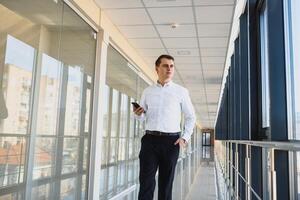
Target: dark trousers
157, 152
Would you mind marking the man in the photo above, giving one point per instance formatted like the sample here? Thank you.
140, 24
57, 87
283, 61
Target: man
161, 107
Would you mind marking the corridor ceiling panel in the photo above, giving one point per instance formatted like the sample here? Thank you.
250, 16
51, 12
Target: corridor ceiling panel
152, 52
213, 2
180, 42
186, 31
143, 31
165, 16
214, 14
213, 52
194, 32
214, 42
136, 16
167, 3
193, 52
146, 43
213, 30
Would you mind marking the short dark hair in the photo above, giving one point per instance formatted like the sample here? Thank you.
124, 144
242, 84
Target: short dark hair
158, 60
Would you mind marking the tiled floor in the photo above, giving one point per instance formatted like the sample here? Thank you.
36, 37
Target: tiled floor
203, 187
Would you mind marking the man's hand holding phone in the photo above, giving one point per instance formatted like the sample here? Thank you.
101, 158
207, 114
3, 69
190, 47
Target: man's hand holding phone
137, 109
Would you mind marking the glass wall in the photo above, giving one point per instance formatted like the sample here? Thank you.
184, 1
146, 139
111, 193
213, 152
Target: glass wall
264, 64
187, 165
293, 75
294, 65
121, 132
47, 55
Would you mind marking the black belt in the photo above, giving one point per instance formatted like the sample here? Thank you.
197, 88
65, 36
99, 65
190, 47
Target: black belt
159, 133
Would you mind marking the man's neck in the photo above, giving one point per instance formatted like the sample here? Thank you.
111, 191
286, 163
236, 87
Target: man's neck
163, 82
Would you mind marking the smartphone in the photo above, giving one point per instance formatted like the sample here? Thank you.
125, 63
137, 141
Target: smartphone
136, 105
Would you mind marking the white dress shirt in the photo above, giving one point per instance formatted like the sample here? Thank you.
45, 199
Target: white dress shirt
164, 105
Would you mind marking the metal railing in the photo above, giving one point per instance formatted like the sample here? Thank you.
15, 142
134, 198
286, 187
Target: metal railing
227, 163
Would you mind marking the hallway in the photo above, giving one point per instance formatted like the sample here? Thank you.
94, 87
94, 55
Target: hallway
203, 187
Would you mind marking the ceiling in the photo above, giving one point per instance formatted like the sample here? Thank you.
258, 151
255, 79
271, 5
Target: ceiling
198, 44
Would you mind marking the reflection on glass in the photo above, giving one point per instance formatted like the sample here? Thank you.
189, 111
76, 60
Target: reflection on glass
70, 155
121, 134
44, 157
85, 154
115, 113
121, 184
124, 115
105, 130
73, 101
68, 189
13, 196
295, 25
12, 160
294, 9
48, 53
48, 96
41, 192
265, 93
16, 85
88, 108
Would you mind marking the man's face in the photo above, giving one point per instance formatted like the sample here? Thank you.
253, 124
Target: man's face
165, 70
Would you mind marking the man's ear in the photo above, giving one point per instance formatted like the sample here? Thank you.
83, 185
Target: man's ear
156, 68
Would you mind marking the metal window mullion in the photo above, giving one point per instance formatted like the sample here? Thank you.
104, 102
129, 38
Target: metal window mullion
32, 128
116, 169
60, 132
97, 116
127, 140
82, 135
110, 102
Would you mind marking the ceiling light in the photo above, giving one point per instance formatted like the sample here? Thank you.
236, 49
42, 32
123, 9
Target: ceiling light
174, 25
184, 52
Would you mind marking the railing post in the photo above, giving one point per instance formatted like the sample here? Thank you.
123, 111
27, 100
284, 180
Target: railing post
226, 168
269, 175
230, 168
273, 175
236, 171
247, 173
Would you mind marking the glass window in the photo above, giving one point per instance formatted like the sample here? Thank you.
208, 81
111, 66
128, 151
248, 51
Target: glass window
12, 158
73, 101
121, 137
48, 96
294, 68
16, 85
47, 62
68, 189
44, 158
292, 21
264, 63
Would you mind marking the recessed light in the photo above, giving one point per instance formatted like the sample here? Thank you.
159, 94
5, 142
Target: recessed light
174, 25
184, 52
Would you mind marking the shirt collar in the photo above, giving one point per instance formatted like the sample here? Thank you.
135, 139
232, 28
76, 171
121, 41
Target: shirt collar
166, 84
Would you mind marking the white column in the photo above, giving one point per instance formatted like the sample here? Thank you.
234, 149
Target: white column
98, 116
